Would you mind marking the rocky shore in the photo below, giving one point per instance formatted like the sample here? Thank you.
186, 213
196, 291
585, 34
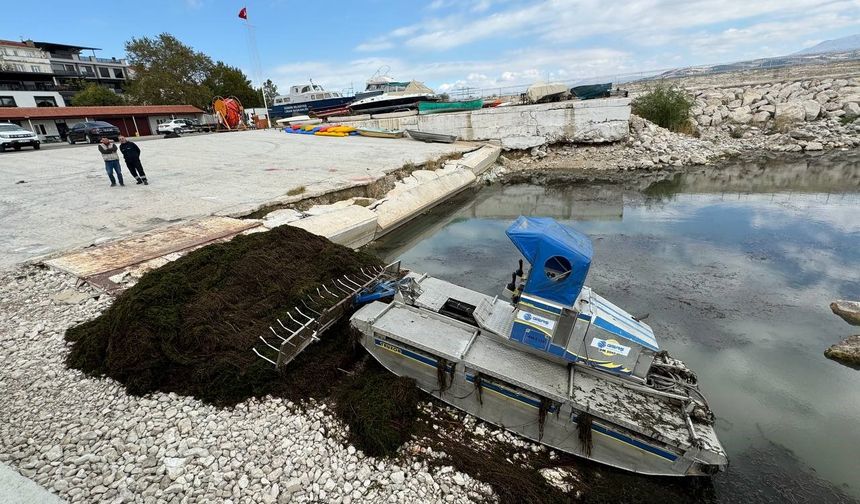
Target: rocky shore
801, 116
87, 440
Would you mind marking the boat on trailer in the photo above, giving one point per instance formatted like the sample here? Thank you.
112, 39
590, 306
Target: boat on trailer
550, 360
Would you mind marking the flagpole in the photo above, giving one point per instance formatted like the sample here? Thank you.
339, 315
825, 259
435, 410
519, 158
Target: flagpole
255, 61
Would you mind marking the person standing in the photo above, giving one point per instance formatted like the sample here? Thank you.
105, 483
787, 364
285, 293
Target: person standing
131, 154
108, 150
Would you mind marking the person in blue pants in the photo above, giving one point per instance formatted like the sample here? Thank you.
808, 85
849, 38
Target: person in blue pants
108, 151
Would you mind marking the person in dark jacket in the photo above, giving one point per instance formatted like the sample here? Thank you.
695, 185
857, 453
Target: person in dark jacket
131, 154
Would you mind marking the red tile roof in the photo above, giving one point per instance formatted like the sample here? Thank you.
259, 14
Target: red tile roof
13, 43
80, 112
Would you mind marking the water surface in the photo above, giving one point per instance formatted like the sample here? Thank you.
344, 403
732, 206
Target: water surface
736, 266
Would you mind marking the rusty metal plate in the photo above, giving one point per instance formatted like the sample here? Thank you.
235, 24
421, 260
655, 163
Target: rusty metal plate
120, 254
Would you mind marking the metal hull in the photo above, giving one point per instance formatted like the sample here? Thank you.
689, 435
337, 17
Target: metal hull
501, 408
496, 380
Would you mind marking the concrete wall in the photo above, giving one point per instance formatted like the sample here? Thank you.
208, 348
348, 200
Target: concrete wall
523, 126
27, 98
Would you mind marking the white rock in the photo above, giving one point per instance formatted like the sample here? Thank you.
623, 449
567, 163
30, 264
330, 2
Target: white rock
851, 109
814, 146
398, 477
790, 111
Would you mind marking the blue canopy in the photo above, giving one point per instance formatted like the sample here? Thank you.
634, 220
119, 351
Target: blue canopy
560, 257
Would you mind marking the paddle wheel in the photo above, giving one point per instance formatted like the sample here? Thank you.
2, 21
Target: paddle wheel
230, 113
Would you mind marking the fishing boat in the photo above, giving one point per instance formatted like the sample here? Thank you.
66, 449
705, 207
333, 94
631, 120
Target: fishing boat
380, 133
306, 99
591, 91
550, 360
541, 92
394, 101
431, 137
436, 107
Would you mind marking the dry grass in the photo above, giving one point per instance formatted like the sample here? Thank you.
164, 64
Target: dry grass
296, 191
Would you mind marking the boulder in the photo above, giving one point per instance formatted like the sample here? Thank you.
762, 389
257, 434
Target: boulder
848, 310
703, 120
846, 351
814, 146
790, 111
735, 104
741, 115
760, 117
750, 97
852, 109
767, 108
811, 109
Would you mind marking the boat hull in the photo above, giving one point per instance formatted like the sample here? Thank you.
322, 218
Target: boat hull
433, 107
424, 136
493, 378
501, 407
380, 133
293, 109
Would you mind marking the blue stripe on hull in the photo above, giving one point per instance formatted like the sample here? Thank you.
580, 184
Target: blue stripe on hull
631, 441
511, 394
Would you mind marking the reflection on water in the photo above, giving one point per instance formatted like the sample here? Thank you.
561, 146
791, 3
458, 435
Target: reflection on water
736, 266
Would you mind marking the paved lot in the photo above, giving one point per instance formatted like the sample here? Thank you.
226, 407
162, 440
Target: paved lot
56, 199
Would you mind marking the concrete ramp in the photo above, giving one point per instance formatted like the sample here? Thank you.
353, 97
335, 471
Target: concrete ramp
406, 201
16, 489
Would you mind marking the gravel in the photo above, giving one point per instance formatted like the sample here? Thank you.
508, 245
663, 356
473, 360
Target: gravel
87, 440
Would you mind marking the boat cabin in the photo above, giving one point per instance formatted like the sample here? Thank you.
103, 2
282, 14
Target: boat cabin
306, 93
556, 315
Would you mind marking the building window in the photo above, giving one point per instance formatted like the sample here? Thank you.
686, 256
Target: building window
104, 72
117, 72
7, 101
36, 68
18, 67
45, 101
87, 70
40, 128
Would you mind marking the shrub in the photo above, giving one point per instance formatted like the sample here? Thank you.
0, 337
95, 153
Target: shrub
666, 106
848, 119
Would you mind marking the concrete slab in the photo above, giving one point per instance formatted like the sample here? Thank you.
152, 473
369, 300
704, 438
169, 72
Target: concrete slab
120, 254
402, 204
351, 226
16, 489
56, 199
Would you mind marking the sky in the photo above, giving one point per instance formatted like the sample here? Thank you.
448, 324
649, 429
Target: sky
448, 44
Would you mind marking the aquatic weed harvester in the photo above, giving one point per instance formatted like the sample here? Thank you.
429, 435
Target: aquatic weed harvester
549, 359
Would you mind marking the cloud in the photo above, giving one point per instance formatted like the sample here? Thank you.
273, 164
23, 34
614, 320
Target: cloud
511, 68
494, 43
379, 44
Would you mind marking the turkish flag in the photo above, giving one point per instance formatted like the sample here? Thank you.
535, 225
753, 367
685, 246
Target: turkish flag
243, 13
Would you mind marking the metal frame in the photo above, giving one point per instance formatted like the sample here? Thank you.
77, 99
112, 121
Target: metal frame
326, 305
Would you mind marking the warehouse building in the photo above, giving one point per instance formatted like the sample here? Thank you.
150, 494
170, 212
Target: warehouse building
52, 123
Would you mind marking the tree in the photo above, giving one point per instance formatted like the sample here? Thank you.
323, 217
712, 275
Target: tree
270, 90
225, 80
167, 72
93, 94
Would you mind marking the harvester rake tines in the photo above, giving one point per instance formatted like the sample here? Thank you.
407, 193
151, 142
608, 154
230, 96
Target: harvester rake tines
264, 357
270, 346
285, 327
276, 333
303, 315
330, 292
351, 281
311, 309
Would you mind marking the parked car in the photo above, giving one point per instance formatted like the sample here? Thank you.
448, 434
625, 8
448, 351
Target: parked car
14, 136
91, 132
175, 126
